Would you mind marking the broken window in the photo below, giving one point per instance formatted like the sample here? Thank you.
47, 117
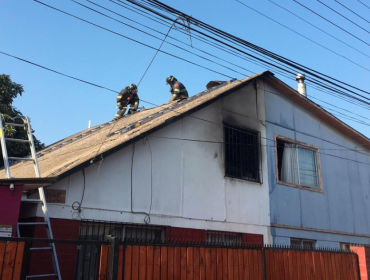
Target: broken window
242, 153
297, 164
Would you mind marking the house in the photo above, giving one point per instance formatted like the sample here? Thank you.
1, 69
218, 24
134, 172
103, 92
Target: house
319, 174
247, 161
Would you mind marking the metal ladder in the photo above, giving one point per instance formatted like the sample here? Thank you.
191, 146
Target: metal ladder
3, 140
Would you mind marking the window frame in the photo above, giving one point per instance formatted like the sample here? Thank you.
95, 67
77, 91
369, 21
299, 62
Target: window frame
259, 153
301, 241
320, 189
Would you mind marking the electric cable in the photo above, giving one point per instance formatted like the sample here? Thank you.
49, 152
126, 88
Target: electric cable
327, 33
285, 60
162, 42
351, 11
76, 206
128, 38
364, 4
322, 3
235, 54
300, 34
331, 22
51, 70
147, 215
177, 40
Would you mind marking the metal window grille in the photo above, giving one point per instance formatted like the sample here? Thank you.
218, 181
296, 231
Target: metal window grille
242, 150
227, 238
99, 230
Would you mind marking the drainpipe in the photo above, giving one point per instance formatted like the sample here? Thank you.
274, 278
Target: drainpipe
301, 88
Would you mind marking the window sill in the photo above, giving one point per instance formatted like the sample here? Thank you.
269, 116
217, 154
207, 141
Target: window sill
242, 180
318, 190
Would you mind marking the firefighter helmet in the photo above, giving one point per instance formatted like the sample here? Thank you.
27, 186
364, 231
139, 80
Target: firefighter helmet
133, 88
171, 80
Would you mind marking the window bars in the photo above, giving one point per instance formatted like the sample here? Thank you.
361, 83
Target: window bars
242, 150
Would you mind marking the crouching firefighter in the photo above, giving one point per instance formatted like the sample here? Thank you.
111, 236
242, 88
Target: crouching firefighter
177, 90
127, 96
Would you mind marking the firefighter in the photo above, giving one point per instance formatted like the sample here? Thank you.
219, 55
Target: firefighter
127, 96
177, 90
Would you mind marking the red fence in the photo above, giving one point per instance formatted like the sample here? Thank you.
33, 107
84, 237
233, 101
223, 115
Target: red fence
11, 257
290, 264
181, 262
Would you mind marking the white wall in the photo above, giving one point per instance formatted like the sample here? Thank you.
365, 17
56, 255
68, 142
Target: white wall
188, 187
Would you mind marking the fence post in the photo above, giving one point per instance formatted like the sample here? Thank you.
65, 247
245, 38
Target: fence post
113, 257
25, 260
264, 263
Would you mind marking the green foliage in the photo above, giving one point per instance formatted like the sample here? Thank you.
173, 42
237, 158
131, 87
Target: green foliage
8, 92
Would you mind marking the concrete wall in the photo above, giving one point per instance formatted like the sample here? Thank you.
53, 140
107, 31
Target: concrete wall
180, 182
344, 205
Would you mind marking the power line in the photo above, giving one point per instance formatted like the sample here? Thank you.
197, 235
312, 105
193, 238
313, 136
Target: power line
363, 4
133, 40
140, 30
327, 33
233, 53
300, 34
165, 52
234, 39
322, 3
331, 22
351, 11
113, 31
51, 70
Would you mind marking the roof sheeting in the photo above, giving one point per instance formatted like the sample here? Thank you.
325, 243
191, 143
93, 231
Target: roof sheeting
77, 151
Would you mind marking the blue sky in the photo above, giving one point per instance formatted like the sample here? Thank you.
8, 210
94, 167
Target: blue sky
59, 106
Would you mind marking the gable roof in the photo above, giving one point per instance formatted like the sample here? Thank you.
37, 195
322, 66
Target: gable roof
82, 149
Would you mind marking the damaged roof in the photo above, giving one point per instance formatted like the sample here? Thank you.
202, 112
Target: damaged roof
81, 149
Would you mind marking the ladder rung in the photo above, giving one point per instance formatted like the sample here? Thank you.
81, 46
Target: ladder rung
20, 159
41, 248
31, 200
15, 124
32, 224
41, 276
17, 140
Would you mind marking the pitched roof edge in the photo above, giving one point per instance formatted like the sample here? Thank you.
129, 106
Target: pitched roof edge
86, 163
316, 110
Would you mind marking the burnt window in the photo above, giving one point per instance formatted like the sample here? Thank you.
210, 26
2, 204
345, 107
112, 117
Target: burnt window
241, 153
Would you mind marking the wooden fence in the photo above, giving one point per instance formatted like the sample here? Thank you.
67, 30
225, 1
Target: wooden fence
293, 264
181, 262
11, 256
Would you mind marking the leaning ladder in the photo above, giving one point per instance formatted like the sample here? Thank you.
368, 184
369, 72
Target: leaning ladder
3, 139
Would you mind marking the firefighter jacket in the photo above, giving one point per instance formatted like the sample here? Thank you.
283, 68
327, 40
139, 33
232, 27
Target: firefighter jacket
178, 91
125, 97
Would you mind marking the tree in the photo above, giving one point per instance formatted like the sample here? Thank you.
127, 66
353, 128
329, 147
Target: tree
8, 92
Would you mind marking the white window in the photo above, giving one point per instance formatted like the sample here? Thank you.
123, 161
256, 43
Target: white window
345, 246
297, 163
302, 243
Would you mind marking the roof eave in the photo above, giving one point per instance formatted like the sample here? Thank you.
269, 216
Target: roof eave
316, 109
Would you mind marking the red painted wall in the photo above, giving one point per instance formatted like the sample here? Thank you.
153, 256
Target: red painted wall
10, 202
187, 234
41, 261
